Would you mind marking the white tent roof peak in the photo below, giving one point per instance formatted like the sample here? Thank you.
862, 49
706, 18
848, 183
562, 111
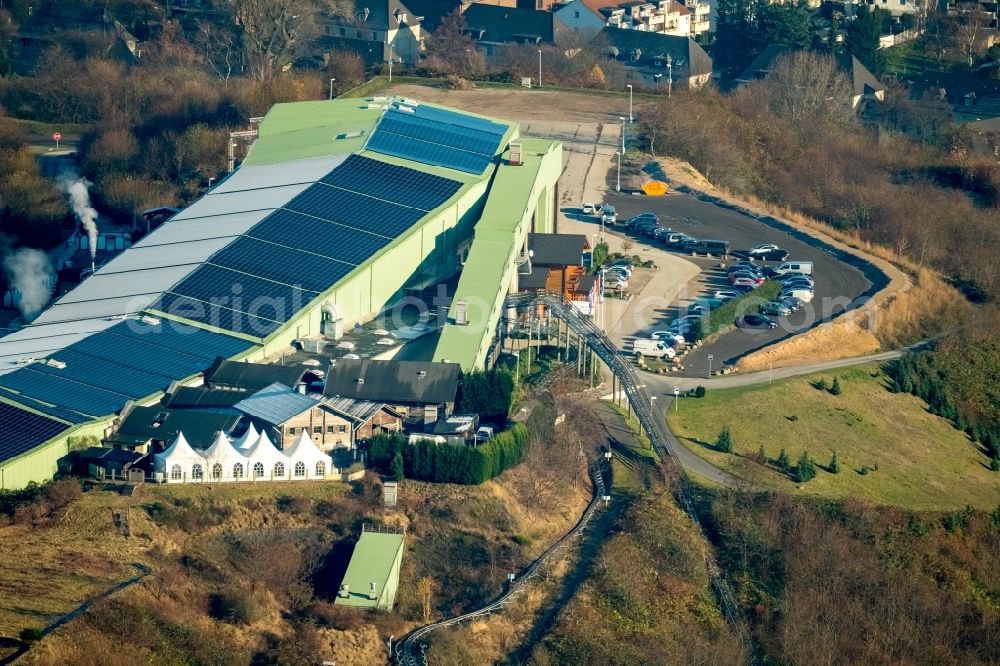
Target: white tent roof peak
179, 447
305, 448
221, 449
247, 439
264, 451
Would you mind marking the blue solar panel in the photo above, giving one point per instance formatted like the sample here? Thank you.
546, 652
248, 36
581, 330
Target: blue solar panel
217, 316
54, 411
64, 392
104, 374
143, 355
330, 239
355, 210
282, 264
460, 138
172, 337
394, 183
240, 291
460, 119
425, 152
22, 430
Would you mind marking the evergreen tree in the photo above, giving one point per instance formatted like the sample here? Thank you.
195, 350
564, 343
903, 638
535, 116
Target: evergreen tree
697, 331
784, 464
397, 467
834, 464
783, 24
820, 384
835, 387
863, 40
724, 442
762, 455
805, 469
734, 28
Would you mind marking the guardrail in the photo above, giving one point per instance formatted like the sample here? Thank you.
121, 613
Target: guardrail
654, 426
405, 652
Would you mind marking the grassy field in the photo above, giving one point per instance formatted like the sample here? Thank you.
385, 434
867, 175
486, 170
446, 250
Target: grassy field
631, 461
890, 449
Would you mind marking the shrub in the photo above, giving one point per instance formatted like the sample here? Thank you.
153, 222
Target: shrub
699, 391
236, 605
397, 466
820, 384
805, 469
835, 387
834, 464
697, 331
724, 442
295, 504
995, 464
30, 635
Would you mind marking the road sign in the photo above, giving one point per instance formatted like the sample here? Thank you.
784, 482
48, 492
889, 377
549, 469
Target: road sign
57, 137
677, 390
711, 357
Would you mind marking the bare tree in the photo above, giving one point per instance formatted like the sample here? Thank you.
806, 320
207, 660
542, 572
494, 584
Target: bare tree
972, 22
806, 87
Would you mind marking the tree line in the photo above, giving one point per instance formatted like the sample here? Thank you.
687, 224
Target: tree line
426, 460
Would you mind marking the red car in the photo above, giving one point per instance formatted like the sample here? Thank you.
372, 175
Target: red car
745, 280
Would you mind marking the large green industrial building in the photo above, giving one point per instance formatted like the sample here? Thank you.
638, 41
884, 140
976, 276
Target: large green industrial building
340, 209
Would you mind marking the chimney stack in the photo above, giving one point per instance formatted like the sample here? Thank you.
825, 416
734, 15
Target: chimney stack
372, 594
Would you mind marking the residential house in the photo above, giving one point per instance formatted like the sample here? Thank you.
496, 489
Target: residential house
49, 22
556, 264
971, 98
369, 418
864, 85
430, 12
102, 462
243, 376
378, 31
151, 428
493, 27
456, 429
420, 392
588, 17
986, 135
657, 61
284, 413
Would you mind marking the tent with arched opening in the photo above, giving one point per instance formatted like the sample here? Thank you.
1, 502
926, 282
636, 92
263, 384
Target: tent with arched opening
221, 460
177, 462
307, 460
264, 461
247, 439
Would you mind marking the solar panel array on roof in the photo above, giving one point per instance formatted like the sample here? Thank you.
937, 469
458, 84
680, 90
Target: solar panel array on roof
265, 278
131, 360
438, 137
23, 430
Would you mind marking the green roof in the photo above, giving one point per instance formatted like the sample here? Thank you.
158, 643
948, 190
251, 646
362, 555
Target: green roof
374, 558
499, 235
300, 130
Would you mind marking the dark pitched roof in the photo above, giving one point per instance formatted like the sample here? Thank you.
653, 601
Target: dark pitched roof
252, 376
371, 53
863, 82
956, 86
142, 424
557, 249
498, 25
432, 11
988, 126
199, 397
586, 284
651, 48
393, 382
360, 411
111, 455
535, 279
378, 15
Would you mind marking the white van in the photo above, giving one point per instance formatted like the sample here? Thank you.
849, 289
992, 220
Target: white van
804, 295
654, 348
800, 267
608, 214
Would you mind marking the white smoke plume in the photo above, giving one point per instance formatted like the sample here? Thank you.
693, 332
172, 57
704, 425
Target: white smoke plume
30, 273
75, 187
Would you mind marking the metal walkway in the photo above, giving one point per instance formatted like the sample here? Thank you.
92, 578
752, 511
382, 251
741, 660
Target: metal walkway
601, 345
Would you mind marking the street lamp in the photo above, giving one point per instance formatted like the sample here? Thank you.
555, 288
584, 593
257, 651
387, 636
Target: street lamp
677, 397
623, 134
390, 63
670, 74
539, 68
331, 86
618, 186
710, 357
629, 86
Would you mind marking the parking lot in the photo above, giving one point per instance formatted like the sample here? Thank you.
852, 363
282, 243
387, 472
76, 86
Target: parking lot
838, 285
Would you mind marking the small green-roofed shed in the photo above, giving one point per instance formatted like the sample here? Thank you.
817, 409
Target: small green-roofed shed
376, 559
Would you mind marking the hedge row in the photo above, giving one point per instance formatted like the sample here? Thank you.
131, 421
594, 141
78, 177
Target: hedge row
449, 463
748, 303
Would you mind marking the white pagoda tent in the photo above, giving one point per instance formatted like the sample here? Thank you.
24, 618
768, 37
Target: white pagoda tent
179, 462
306, 460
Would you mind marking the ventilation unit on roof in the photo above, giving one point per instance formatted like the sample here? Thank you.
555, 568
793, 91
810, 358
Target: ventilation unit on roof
381, 98
150, 320
361, 380
25, 360
351, 135
56, 364
422, 373
462, 312
515, 154
405, 109
410, 102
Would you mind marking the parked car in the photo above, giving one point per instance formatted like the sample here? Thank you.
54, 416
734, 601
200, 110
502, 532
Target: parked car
745, 277
683, 324
669, 337
804, 295
675, 238
803, 267
643, 228
624, 261
745, 266
641, 217
608, 214
755, 321
703, 305
687, 246
588, 208
653, 348
792, 303
775, 308
726, 294
709, 248
484, 434
776, 254
761, 248
798, 284
616, 274
615, 281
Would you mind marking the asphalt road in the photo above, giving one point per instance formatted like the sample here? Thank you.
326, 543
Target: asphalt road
839, 286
